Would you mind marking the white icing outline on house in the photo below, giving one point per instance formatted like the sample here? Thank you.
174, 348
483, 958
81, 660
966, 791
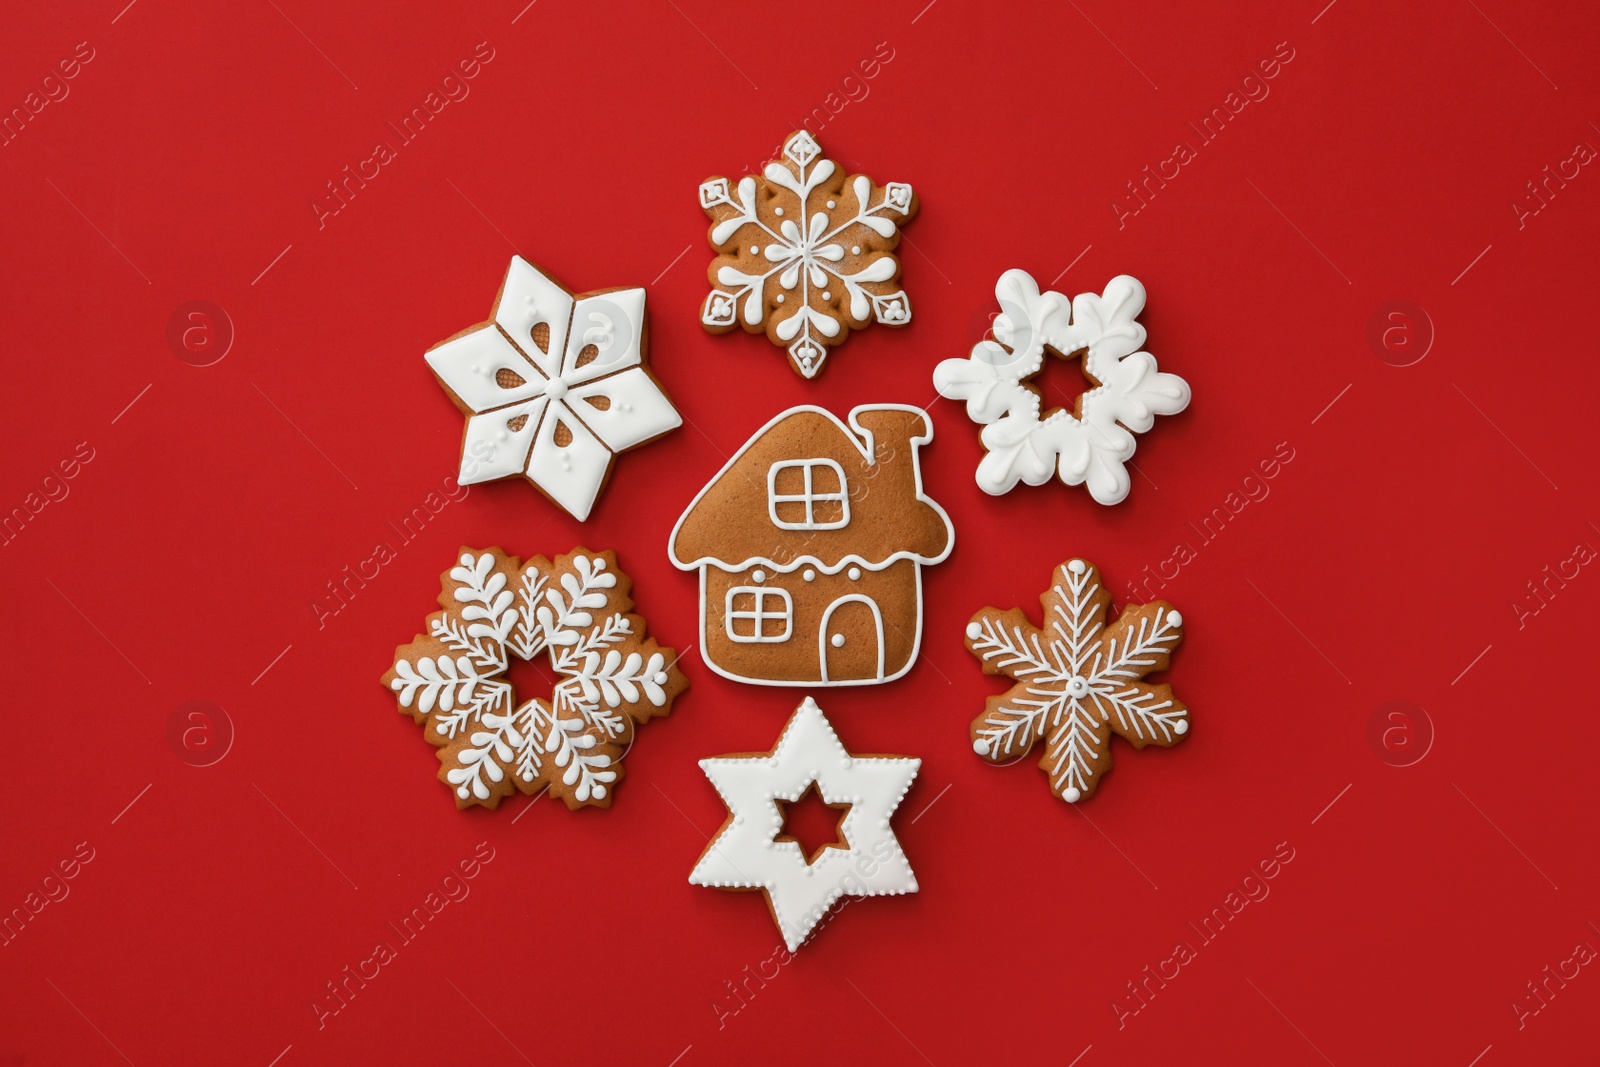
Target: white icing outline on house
864, 442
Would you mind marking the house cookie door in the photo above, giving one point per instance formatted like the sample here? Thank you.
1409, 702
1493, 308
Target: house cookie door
851, 639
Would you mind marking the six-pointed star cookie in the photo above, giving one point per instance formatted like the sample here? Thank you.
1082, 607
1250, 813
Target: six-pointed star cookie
554, 386
747, 853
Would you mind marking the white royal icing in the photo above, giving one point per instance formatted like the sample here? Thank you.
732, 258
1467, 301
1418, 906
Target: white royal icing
1089, 451
746, 854
607, 405
805, 255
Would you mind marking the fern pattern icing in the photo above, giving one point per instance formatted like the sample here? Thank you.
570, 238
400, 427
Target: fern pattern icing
574, 613
1077, 680
1089, 447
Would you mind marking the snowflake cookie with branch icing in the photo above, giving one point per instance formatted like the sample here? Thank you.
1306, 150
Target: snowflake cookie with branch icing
1086, 446
554, 386
1078, 680
575, 613
805, 253
752, 852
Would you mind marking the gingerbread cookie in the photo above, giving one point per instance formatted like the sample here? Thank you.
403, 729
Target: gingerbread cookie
575, 614
751, 852
810, 544
1078, 680
805, 253
554, 386
1089, 444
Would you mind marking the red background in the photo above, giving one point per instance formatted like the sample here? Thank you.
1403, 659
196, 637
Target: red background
1384, 563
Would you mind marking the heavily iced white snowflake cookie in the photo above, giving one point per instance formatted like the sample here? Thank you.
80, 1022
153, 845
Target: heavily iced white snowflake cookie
1087, 446
751, 851
1078, 680
573, 614
554, 386
806, 254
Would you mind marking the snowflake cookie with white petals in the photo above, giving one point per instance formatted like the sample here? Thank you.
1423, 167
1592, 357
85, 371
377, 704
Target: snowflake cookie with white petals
1078, 680
752, 852
555, 385
1086, 446
806, 254
574, 614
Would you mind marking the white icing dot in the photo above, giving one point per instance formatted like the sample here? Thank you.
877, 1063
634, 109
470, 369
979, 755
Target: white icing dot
1071, 795
854, 573
810, 575
660, 678
981, 747
754, 250
777, 211
837, 640
627, 408
599, 792
1077, 566
831, 203
501, 436
974, 630
780, 298
827, 295
466, 561
1181, 726
758, 575
855, 250
1174, 618
555, 389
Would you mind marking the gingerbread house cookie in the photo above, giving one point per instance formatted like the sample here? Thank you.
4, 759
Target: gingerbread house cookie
810, 545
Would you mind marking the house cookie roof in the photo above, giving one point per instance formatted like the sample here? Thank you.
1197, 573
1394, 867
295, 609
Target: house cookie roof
728, 526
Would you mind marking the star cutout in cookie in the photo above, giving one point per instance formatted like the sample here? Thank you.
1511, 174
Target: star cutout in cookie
750, 852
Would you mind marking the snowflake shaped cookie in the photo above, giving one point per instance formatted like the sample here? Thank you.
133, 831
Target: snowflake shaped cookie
806, 254
554, 386
751, 853
1078, 680
574, 613
1087, 446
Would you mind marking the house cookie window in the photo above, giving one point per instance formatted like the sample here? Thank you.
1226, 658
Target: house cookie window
758, 615
807, 494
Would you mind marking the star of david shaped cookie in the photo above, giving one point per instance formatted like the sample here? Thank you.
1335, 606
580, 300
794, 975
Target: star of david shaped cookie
751, 851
